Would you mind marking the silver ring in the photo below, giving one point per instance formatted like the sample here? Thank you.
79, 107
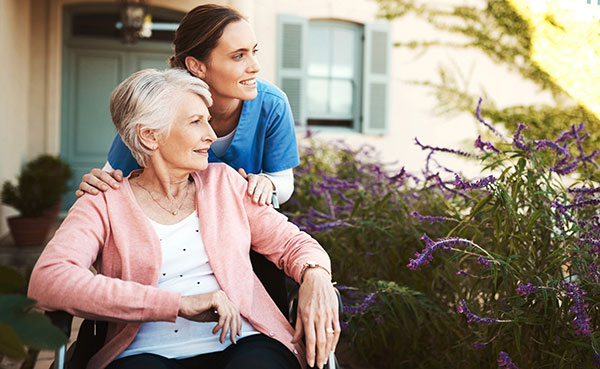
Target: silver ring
329, 331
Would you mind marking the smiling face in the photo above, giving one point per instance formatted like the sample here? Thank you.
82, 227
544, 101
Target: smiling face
232, 66
185, 145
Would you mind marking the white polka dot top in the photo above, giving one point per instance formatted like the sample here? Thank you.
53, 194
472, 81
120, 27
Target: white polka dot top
186, 270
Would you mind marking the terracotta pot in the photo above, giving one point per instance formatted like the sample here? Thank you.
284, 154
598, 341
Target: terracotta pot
29, 231
53, 211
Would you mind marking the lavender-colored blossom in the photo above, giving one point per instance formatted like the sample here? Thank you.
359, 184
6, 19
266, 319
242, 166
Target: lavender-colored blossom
369, 300
545, 144
479, 346
585, 191
462, 308
431, 219
517, 140
480, 119
311, 227
443, 149
504, 361
594, 242
463, 272
426, 255
581, 323
597, 359
459, 183
593, 272
566, 169
484, 262
483, 145
526, 289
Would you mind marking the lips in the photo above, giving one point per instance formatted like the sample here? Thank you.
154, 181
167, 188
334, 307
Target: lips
202, 151
249, 82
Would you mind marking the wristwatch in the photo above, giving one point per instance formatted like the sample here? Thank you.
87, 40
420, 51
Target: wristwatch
310, 265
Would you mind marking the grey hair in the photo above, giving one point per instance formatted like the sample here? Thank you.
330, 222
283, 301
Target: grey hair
145, 98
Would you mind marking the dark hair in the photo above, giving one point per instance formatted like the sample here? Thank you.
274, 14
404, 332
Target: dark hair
199, 32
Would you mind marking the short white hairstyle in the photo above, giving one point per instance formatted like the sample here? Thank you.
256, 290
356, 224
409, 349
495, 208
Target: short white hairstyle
146, 98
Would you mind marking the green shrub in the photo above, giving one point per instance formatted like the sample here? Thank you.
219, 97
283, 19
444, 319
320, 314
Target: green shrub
506, 267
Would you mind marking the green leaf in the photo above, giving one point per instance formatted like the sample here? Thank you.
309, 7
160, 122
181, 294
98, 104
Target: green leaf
10, 344
10, 280
32, 327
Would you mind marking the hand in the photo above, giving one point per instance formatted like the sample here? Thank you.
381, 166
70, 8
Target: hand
202, 308
317, 318
259, 187
98, 179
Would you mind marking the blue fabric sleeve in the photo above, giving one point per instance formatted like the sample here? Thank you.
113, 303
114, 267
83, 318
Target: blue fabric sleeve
280, 150
119, 157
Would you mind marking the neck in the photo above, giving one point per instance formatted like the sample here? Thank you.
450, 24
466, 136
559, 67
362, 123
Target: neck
169, 183
225, 114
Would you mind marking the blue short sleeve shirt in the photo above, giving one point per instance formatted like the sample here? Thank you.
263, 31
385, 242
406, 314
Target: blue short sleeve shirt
265, 139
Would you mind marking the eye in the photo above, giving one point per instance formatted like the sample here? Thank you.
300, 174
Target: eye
238, 56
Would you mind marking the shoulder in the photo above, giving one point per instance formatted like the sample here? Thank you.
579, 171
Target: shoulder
218, 174
270, 91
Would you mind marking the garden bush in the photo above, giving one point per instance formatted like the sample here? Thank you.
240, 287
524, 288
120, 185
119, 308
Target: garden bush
437, 271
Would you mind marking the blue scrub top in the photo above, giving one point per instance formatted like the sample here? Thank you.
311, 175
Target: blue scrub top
265, 139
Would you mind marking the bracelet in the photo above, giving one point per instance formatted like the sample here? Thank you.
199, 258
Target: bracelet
312, 265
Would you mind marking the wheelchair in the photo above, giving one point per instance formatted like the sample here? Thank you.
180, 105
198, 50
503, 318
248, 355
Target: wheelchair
92, 334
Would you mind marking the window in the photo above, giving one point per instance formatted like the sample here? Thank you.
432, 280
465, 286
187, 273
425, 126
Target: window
335, 73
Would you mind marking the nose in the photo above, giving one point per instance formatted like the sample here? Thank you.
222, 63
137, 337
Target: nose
210, 135
253, 66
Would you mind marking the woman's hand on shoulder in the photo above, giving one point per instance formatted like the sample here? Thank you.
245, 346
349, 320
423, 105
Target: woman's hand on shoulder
99, 180
318, 316
213, 307
260, 187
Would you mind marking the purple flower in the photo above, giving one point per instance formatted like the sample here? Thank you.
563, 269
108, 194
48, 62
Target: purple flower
504, 361
442, 149
478, 346
430, 219
426, 256
597, 359
369, 300
566, 169
581, 323
585, 191
465, 273
544, 144
526, 289
483, 145
462, 308
517, 140
484, 262
480, 119
593, 272
311, 227
459, 183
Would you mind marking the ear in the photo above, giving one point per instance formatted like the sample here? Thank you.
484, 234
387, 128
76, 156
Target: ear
148, 137
195, 66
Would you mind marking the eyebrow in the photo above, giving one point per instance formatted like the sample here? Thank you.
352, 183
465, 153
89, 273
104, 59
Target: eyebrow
243, 49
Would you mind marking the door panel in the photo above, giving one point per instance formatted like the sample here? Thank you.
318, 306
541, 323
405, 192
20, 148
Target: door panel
89, 77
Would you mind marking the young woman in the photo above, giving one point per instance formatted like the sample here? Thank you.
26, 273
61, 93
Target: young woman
251, 117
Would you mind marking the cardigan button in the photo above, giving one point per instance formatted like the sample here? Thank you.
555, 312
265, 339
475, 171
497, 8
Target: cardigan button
271, 334
295, 351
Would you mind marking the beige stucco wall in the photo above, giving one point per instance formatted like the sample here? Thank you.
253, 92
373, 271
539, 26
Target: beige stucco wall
14, 88
31, 46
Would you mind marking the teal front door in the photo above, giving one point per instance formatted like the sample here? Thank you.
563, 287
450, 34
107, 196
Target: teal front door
92, 68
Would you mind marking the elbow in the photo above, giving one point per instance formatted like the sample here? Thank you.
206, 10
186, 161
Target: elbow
285, 194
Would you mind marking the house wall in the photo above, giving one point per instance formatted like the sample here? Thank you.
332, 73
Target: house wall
14, 88
31, 47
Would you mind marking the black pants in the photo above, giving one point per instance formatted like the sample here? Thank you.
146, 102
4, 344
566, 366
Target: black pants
254, 352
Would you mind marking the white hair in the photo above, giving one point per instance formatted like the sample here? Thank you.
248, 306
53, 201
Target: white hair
146, 98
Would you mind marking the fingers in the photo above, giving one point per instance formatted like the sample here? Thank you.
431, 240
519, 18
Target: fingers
299, 331
243, 173
98, 180
310, 339
260, 188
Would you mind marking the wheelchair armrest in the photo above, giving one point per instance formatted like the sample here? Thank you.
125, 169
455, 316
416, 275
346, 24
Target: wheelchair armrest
62, 320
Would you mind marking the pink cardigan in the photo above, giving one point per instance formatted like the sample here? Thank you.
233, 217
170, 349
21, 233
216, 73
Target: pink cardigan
110, 232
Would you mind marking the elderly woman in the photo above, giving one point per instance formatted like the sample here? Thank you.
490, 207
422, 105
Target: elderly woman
171, 247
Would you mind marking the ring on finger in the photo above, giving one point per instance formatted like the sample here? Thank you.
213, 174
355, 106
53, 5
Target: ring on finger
330, 330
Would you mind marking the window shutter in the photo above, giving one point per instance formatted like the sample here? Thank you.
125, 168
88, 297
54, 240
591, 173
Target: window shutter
292, 36
376, 78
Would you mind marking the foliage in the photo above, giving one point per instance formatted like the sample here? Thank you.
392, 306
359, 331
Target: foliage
40, 185
505, 272
19, 325
496, 29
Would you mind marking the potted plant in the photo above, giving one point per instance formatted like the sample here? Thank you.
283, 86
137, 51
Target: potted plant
38, 198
